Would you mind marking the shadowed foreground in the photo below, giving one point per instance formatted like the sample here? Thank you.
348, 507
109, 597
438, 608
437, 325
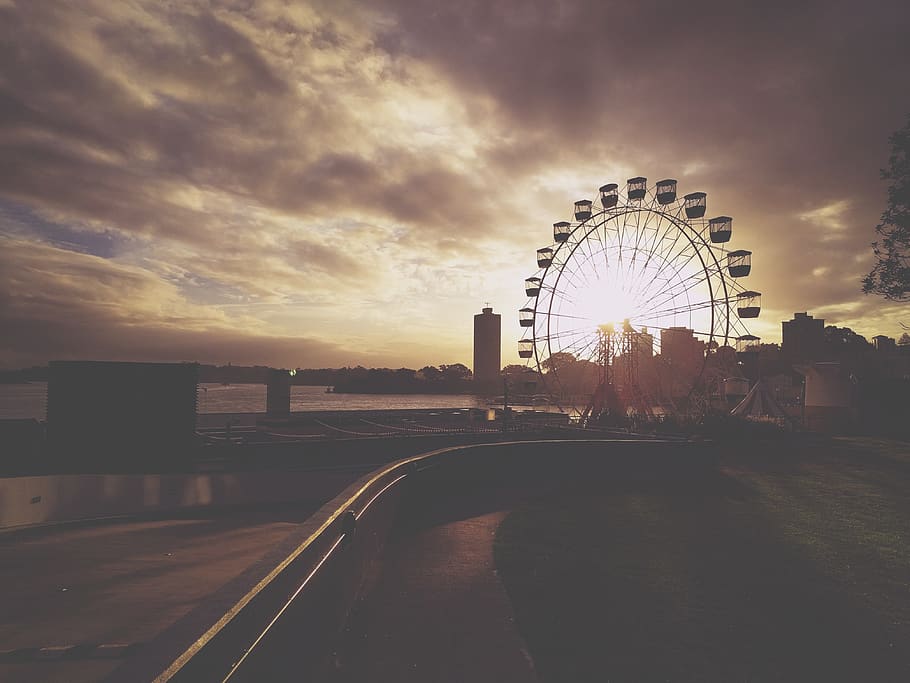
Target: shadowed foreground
770, 570
789, 563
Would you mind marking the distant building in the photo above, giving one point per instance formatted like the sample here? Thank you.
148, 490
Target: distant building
884, 344
803, 338
682, 357
487, 351
643, 342
679, 346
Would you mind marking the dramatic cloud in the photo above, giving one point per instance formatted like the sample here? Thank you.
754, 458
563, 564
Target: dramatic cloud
344, 182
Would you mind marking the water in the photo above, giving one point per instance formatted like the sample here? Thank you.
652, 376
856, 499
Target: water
30, 400
23, 400
250, 398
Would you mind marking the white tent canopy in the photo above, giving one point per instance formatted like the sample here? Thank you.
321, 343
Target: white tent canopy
759, 402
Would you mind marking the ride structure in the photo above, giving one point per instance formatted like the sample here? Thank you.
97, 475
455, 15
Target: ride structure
636, 304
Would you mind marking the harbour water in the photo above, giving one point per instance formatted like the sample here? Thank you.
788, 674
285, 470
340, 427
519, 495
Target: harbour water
30, 400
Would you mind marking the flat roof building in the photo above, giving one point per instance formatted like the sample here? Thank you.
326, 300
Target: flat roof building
487, 351
803, 338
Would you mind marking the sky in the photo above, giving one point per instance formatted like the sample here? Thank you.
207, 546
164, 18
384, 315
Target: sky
338, 183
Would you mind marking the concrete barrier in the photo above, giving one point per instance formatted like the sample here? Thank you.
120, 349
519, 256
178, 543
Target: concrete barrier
34, 501
292, 605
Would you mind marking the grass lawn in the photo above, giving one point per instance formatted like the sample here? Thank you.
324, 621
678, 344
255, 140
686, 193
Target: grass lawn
788, 562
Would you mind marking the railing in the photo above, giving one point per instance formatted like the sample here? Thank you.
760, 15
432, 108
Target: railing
246, 630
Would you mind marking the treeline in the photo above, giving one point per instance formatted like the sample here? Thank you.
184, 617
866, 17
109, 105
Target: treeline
33, 374
444, 379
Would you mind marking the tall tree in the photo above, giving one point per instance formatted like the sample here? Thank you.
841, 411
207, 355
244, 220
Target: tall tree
891, 275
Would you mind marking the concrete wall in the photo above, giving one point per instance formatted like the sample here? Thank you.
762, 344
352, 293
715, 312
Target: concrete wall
29, 501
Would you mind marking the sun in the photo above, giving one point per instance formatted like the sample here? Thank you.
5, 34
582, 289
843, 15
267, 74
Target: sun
602, 302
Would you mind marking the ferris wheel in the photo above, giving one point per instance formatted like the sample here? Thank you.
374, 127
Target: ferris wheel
636, 301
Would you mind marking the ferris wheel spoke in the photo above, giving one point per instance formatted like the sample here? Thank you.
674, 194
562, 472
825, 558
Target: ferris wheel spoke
660, 249
556, 294
662, 304
588, 248
677, 268
571, 278
585, 352
675, 310
567, 334
695, 333
638, 238
575, 273
565, 268
693, 280
570, 317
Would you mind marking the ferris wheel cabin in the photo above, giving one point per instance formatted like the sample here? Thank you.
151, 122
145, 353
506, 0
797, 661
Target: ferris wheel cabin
561, 231
748, 343
526, 317
666, 191
583, 209
532, 286
609, 195
748, 304
739, 263
720, 229
544, 257
637, 188
525, 348
696, 204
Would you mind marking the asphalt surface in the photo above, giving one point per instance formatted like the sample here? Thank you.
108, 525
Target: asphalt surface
77, 599
438, 613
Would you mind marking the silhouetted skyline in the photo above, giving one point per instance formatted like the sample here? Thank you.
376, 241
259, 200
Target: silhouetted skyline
347, 183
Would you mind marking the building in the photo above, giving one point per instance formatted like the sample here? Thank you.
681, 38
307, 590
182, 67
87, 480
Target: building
487, 351
682, 358
803, 338
643, 342
680, 348
884, 344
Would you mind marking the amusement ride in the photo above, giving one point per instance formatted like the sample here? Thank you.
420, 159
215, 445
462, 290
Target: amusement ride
638, 306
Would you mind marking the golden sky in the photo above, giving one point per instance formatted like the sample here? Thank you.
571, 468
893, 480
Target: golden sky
340, 183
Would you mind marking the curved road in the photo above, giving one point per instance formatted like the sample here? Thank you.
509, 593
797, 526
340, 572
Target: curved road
438, 588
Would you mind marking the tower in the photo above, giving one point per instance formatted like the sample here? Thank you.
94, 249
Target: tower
487, 351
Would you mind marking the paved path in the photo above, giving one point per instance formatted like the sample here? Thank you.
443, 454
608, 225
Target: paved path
76, 599
437, 614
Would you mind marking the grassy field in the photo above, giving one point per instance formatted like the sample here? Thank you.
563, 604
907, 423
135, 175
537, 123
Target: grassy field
787, 562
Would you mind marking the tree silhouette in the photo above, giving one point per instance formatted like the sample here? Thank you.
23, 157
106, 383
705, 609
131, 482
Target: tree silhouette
891, 275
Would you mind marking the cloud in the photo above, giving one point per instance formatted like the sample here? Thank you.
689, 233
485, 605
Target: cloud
372, 172
105, 310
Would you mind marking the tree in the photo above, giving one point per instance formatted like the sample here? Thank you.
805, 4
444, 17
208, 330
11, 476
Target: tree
558, 360
456, 372
904, 340
890, 277
430, 373
844, 338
